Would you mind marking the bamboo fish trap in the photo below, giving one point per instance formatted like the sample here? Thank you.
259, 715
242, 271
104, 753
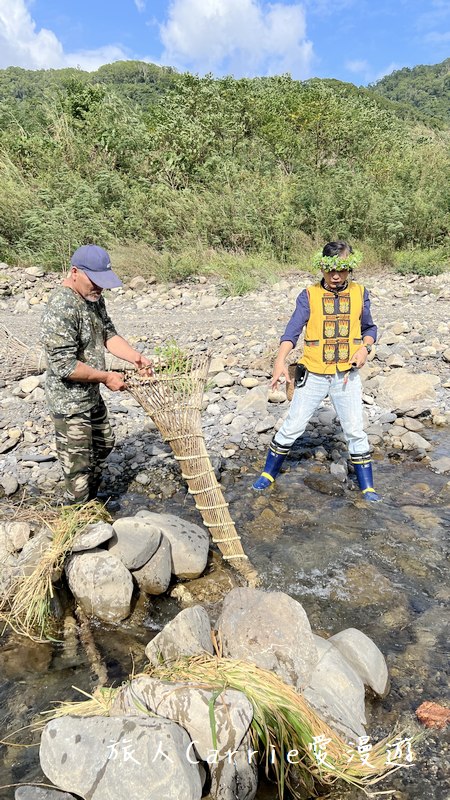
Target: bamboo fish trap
173, 398
17, 358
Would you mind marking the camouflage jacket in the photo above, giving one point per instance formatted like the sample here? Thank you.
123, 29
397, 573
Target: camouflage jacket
73, 329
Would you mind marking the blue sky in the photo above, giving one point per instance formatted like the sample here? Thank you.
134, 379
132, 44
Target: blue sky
352, 40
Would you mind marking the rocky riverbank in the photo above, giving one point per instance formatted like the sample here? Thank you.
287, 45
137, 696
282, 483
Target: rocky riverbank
406, 385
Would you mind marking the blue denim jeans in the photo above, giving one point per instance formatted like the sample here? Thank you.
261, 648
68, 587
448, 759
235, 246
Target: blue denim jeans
344, 390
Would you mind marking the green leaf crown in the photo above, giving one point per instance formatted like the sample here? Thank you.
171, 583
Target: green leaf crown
336, 262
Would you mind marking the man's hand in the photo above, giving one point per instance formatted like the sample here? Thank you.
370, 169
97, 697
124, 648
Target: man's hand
279, 371
143, 364
114, 381
359, 358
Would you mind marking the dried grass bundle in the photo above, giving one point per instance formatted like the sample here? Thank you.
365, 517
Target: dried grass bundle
173, 398
283, 723
26, 607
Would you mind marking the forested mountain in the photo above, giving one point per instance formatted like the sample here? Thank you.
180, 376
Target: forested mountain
264, 167
136, 80
425, 87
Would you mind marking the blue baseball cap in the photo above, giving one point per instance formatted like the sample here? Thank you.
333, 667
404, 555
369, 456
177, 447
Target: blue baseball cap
96, 263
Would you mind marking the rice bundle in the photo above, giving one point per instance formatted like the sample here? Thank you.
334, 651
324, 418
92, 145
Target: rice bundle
26, 606
283, 723
173, 398
18, 359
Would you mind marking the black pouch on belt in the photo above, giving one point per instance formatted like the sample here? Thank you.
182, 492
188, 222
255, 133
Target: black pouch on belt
301, 374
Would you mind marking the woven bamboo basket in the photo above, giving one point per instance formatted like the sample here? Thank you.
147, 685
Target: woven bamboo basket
18, 359
173, 398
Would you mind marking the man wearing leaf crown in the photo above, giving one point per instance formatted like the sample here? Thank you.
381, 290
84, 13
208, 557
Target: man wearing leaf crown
339, 335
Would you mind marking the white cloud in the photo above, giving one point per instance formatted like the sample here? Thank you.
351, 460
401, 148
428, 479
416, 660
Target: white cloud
140, 5
21, 45
437, 38
357, 66
239, 37
392, 67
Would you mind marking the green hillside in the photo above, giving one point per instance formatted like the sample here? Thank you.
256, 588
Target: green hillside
202, 170
425, 87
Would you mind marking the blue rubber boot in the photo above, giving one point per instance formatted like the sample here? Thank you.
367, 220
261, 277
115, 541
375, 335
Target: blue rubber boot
363, 469
275, 457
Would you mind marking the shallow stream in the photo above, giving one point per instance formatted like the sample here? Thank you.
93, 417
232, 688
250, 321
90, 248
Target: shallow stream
377, 567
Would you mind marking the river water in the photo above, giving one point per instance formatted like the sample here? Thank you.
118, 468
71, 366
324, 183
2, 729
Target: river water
377, 567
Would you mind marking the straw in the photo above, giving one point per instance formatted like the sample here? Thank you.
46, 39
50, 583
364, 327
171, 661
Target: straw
26, 606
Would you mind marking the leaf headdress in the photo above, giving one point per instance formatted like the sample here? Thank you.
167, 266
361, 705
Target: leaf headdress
350, 262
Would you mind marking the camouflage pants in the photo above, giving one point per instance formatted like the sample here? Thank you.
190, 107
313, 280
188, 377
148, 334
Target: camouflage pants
83, 441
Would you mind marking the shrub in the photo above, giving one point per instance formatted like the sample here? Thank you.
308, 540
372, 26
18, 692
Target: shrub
422, 262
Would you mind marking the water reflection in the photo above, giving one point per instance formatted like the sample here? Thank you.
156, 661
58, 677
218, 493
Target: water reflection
380, 568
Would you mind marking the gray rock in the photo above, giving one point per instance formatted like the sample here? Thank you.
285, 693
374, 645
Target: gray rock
103, 758
38, 793
17, 535
276, 396
134, 541
10, 484
188, 634
190, 707
441, 464
223, 379
339, 471
92, 536
188, 542
389, 416
413, 424
266, 424
337, 693
254, 400
33, 551
236, 776
250, 382
395, 360
364, 656
271, 630
403, 390
325, 484
28, 385
414, 441
101, 584
154, 576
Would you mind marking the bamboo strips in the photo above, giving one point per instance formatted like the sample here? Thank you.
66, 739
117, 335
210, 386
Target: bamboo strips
173, 398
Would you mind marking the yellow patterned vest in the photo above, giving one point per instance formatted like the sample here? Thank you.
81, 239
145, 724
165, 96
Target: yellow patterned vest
333, 331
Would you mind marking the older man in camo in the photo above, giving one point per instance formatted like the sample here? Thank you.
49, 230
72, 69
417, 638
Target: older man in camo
76, 329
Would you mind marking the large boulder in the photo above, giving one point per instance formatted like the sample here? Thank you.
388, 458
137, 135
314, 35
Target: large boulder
190, 707
404, 391
271, 630
336, 691
188, 634
154, 576
134, 541
364, 657
189, 544
101, 758
235, 776
101, 584
37, 793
